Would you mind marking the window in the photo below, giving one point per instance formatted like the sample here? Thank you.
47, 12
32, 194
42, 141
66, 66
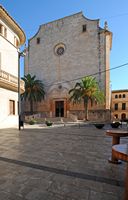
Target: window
12, 107
116, 116
116, 96
59, 49
123, 95
0, 60
5, 32
16, 43
120, 96
84, 28
123, 106
123, 116
38, 40
1, 27
116, 106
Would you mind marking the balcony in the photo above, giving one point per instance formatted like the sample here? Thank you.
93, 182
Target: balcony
10, 82
119, 110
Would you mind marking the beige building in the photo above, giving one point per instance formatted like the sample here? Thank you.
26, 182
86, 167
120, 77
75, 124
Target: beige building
119, 104
62, 52
11, 38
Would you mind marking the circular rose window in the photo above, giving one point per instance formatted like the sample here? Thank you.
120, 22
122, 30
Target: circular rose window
59, 49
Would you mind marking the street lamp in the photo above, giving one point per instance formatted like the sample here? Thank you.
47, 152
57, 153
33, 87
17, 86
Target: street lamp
20, 54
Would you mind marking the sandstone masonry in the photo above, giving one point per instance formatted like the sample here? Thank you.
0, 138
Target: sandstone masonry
61, 53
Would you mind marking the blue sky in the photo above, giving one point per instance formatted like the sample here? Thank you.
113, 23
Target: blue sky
30, 14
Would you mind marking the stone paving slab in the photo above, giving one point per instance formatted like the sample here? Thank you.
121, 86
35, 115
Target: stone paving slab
59, 163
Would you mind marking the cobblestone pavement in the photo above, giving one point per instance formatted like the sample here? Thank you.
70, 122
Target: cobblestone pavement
58, 163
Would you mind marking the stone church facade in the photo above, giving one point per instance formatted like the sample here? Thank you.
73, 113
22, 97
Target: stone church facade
60, 54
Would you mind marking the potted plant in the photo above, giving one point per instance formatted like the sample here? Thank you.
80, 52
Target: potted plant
99, 125
48, 123
115, 124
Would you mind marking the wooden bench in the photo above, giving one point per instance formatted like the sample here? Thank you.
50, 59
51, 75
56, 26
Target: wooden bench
120, 151
116, 135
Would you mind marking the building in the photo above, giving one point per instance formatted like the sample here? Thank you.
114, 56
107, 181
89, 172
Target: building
63, 51
119, 104
11, 38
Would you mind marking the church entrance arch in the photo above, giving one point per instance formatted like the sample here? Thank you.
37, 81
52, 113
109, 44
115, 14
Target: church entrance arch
59, 108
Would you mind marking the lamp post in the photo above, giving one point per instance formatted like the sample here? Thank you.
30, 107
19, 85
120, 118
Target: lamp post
20, 54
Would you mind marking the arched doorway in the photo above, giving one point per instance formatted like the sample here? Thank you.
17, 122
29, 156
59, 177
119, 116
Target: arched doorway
123, 116
59, 108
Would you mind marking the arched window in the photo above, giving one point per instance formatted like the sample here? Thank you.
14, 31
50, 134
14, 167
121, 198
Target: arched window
116, 116
116, 106
5, 32
123, 106
38, 40
1, 28
123, 116
16, 42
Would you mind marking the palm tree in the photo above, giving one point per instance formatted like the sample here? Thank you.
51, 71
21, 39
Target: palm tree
34, 90
87, 89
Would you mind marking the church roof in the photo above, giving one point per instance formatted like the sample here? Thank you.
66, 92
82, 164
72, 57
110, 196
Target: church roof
61, 19
79, 13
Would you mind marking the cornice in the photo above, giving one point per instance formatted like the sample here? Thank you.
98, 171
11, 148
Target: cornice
60, 19
15, 27
119, 91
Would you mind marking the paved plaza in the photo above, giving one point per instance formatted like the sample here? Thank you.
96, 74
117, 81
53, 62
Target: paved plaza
59, 163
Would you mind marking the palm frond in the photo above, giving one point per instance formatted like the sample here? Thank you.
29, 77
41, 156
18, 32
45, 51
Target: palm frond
86, 89
34, 89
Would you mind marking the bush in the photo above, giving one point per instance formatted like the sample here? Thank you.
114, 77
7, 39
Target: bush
32, 121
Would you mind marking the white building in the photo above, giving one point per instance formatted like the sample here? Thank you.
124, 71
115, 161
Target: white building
11, 38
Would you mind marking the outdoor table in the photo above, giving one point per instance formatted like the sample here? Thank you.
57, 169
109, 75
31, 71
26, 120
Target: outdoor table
116, 134
120, 151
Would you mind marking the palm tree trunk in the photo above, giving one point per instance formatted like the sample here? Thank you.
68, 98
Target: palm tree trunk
31, 107
86, 109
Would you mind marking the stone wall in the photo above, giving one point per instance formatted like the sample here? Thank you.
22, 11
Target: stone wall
61, 53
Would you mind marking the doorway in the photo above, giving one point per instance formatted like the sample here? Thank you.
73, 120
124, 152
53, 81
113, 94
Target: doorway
123, 116
59, 109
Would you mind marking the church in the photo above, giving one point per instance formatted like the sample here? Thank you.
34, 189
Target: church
60, 54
